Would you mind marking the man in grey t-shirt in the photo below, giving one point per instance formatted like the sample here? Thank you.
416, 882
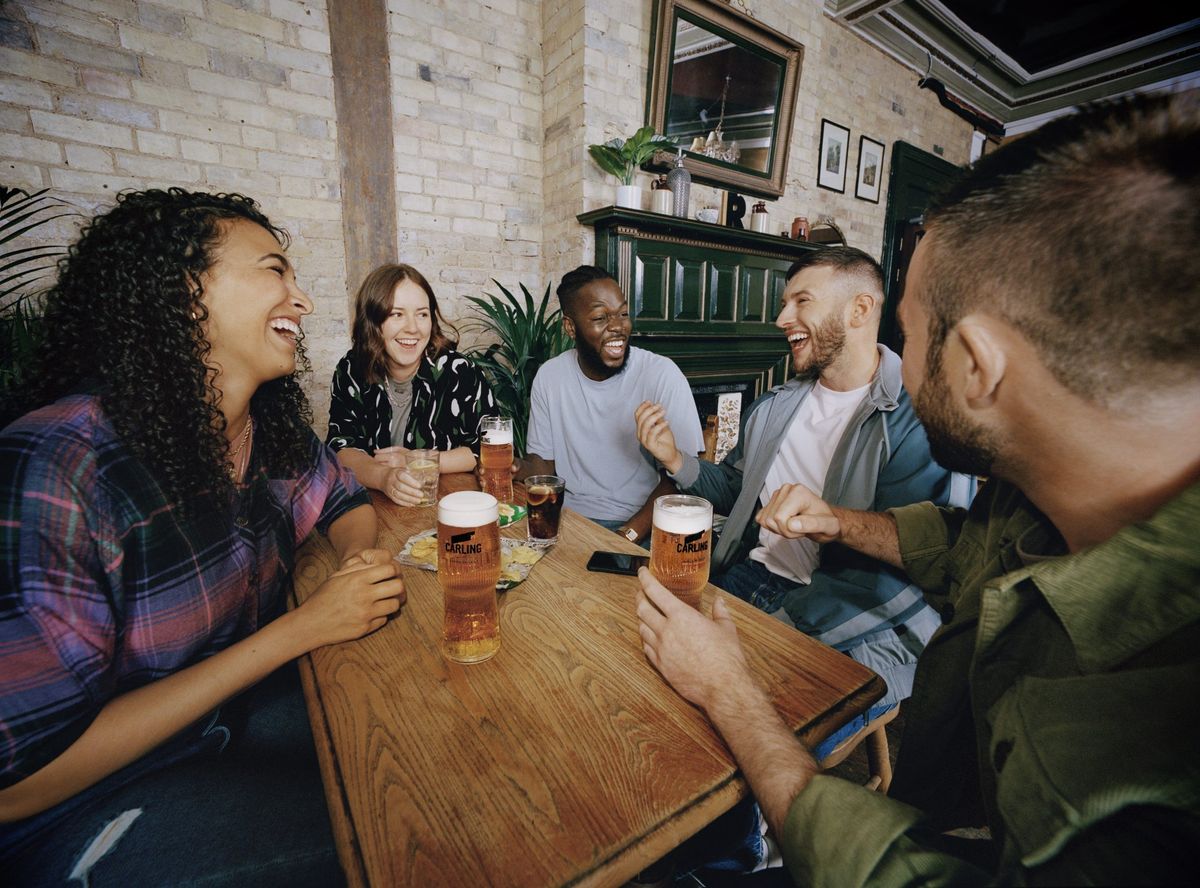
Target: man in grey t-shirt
581, 422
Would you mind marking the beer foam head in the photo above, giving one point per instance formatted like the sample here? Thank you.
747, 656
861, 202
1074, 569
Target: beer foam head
497, 436
683, 515
468, 508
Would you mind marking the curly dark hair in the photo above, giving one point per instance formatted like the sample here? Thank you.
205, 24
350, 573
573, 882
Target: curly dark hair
125, 321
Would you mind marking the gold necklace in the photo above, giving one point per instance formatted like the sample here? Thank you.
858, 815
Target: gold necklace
238, 467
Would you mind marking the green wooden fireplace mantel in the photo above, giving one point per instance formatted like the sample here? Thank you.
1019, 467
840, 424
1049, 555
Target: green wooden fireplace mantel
704, 295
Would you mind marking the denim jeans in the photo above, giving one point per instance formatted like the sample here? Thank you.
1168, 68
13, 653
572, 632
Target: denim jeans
252, 812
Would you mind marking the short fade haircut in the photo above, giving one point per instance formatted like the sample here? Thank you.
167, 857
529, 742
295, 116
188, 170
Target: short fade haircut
846, 260
1082, 235
574, 281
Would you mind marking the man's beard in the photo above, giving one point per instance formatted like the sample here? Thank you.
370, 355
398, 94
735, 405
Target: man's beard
590, 359
825, 344
954, 442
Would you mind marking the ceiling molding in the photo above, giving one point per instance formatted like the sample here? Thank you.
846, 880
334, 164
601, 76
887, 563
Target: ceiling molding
927, 37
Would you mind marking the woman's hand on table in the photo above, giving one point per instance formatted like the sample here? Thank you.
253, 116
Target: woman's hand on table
698, 656
355, 601
400, 487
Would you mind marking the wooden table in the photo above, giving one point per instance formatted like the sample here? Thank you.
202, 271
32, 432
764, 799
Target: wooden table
563, 760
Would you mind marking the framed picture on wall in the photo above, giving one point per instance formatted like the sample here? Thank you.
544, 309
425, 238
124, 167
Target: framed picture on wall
831, 162
870, 169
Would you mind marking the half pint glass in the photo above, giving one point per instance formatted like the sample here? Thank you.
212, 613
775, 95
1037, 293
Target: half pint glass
496, 457
468, 567
680, 544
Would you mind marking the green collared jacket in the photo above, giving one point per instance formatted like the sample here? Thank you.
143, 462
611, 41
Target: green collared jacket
1056, 705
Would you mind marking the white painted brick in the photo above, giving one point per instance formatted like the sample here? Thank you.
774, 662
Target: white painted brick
163, 73
312, 84
317, 41
176, 99
304, 59
199, 127
85, 157
290, 164
191, 7
409, 183
300, 208
242, 20
79, 182
226, 87
55, 17
89, 132
228, 40
111, 110
258, 115
17, 91
22, 175
163, 46
145, 167
26, 148
235, 156
204, 152
308, 14
253, 137
416, 202
105, 83
157, 143
249, 182
300, 102
295, 186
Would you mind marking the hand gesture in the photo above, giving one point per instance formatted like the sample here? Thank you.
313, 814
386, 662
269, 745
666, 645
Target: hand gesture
401, 487
654, 433
392, 457
697, 656
355, 601
794, 512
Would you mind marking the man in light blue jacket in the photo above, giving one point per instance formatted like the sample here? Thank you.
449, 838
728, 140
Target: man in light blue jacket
845, 426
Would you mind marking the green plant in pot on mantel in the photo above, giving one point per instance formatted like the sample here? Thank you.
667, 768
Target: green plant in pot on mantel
623, 158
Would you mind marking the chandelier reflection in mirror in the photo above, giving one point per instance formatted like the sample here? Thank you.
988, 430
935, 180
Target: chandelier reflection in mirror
714, 145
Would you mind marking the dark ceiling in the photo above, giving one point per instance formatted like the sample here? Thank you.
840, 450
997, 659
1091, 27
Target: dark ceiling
1011, 60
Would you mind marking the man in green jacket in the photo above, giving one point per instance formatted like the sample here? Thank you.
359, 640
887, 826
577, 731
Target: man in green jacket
1052, 324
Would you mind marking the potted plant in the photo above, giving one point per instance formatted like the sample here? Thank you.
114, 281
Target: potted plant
623, 158
21, 267
525, 337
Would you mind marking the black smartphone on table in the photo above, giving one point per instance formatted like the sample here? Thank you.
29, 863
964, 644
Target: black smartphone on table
617, 563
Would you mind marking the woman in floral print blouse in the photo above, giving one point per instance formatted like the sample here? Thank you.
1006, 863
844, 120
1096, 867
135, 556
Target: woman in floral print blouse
402, 386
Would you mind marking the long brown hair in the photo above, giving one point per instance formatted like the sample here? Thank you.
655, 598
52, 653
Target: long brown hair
372, 305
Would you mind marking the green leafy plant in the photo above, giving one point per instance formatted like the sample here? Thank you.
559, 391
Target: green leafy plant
525, 337
623, 157
22, 269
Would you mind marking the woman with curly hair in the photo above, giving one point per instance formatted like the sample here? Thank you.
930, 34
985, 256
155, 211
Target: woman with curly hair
149, 516
403, 386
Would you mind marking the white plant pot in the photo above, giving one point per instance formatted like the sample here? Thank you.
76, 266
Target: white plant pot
629, 196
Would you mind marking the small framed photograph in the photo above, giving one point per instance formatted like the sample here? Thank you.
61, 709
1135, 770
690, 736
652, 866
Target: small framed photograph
831, 162
870, 169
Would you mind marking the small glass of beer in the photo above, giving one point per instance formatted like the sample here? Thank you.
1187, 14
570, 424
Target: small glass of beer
496, 457
679, 545
424, 465
468, 533
544, 497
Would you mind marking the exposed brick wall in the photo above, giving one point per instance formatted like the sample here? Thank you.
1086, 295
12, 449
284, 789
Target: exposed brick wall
495, 102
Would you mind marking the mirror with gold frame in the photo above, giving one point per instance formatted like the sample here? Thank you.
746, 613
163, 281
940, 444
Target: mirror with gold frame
723, 89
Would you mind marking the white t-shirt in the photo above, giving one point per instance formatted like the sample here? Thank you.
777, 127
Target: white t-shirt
803, 458
587, 428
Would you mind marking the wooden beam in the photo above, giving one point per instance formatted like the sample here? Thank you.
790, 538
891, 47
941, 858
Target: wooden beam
362, 89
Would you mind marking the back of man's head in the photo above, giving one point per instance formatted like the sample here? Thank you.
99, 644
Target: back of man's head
574, 281
1083, 236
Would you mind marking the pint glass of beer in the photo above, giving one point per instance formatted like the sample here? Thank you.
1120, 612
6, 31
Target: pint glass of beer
468, 534
680, 544
496, 457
